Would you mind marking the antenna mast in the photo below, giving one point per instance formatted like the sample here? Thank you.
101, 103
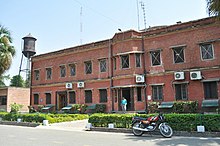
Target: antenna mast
138, 15
143, 8
81, 25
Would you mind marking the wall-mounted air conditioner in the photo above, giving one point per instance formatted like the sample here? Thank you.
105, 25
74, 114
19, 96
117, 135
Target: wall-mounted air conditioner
179, 76
139, 78
69, 85
195, 75
80, 84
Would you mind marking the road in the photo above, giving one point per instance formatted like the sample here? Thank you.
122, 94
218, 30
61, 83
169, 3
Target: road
26, 136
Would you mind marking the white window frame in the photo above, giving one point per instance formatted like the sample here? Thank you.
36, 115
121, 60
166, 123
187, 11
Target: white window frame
213, 53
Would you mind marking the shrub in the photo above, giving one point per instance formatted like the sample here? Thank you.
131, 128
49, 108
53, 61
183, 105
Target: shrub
31, 109
39, 108
15, 108
152, 107
100, 108
185, 107
179, 122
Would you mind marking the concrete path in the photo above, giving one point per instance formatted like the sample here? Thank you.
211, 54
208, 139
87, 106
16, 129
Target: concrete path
79, 125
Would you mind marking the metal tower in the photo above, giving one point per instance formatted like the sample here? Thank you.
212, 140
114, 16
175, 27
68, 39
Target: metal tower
28, 51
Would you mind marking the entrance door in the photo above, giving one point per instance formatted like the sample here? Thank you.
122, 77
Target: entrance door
62, 100
128, 94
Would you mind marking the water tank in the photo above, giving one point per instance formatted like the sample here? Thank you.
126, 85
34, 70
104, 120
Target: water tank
29, 46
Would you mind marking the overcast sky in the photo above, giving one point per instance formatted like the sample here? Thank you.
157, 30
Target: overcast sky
58, 24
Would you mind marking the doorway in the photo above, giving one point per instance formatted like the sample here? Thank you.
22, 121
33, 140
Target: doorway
61, 100
129, 95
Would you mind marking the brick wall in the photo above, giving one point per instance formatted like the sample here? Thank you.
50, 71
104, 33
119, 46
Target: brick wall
190, 34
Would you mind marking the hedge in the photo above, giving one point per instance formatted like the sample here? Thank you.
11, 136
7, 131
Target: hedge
179, 122
178, 107
39, 117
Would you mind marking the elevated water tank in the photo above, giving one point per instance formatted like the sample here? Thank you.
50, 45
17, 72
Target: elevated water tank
29, 46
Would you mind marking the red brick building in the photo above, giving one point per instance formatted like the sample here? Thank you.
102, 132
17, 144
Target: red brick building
11, 95
167, 63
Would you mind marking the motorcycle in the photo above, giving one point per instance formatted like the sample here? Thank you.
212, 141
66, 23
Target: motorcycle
142, 125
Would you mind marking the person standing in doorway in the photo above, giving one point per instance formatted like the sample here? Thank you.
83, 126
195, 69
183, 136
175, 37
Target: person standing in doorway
124, 104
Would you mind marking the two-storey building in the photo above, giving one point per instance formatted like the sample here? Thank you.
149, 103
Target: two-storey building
166, 63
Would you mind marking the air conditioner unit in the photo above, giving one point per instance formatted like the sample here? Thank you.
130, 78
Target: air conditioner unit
69, 85
139, 78
80, 84
179, 76
195, 75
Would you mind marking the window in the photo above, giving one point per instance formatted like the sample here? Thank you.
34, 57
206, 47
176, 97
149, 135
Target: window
103, 95
88, 67
102, 65
48, 98
155, 58
36, 75
72, 69
49, 73
88, 96
114, 63
178, 54
3, 100
207, 51
72, 97
62, 71
181, 91
36, 99
138, 60
125, 61
157, 92
139, 95
210, 90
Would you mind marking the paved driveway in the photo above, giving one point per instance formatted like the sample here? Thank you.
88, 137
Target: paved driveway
79, 125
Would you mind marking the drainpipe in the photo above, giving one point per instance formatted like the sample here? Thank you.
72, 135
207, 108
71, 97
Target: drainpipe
110, 71
31, 81
145, 72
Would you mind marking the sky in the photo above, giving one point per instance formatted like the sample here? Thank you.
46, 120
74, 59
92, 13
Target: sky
59, 24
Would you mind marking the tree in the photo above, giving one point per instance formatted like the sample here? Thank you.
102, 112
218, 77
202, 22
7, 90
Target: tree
7, 51
17, 81
2, 79
213, 7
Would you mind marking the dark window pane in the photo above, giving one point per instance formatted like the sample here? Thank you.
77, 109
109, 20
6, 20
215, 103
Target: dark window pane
3, 100
207, 51
72, 97
157, 92
103, 95
72, 70
49, 73
37, 74
139, 95
36, 99
103, 65
114, 63
62, 71
178, 54
88, 96
181, 91
48, 98
88, 67
138, 60
210, 90
125, 61
155, 58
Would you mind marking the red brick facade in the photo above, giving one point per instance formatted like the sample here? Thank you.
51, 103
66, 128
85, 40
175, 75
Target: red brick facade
157, 54
14, 95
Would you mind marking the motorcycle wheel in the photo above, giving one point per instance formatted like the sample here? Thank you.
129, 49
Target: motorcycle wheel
166, 131
137, 132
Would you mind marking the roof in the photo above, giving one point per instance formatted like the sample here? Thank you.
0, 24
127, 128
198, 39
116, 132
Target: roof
131, 34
